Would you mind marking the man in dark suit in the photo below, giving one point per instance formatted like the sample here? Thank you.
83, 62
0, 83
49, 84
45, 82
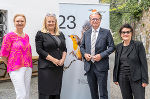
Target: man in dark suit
96, 46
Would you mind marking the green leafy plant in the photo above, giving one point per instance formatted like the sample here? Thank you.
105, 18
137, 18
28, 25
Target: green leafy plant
125, 11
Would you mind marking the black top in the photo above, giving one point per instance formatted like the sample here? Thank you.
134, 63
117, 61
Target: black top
124, 66
47, 44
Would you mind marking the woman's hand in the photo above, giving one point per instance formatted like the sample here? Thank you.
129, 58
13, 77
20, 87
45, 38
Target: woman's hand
52, 59
61, 62
55, 61
116, 83
144, 84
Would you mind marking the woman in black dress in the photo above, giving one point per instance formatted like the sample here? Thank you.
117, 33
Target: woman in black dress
51, 47
130, 70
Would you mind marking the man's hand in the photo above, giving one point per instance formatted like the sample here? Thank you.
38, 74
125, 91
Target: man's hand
87, 56
97, 57
116, 83
144, 84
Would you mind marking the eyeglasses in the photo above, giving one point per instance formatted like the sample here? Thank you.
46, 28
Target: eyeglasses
124, 32
95, 19
51, 14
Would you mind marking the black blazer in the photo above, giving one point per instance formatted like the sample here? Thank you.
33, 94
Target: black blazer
46, 44
137, 60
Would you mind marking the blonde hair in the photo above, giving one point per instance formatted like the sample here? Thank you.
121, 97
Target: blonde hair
19, 15
44, 28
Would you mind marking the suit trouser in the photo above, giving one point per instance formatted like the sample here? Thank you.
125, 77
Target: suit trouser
21, 80
130, 89
42, 96
97, 80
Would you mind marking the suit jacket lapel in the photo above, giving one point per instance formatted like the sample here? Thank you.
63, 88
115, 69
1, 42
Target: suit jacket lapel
53, 39
99, 35
131, 46
119, 51
89, 39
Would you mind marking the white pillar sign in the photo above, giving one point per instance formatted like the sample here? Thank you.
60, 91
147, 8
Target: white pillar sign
73, 21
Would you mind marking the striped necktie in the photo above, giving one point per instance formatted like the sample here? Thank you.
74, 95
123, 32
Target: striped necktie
93, 44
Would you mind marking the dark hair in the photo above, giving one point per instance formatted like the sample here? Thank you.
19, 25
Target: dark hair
126, 26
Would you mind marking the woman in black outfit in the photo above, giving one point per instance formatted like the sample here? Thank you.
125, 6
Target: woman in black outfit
51, 47
130, 70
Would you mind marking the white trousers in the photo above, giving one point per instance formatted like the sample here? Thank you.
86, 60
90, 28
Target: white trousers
21, 80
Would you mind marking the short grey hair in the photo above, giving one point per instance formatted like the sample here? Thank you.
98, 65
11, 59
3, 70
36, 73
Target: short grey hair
96, 13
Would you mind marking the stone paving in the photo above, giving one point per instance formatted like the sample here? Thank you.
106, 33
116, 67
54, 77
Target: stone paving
7, 89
